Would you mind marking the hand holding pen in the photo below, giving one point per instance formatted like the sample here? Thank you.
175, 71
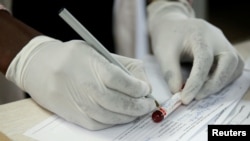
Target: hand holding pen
90, 39
159, 114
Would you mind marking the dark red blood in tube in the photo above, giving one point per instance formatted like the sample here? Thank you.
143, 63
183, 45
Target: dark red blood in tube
157, 116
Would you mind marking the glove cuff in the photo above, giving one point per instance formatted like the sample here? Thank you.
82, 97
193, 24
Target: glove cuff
168, 6
19, 64
3, 8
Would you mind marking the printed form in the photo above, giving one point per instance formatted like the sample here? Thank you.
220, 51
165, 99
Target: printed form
181, 125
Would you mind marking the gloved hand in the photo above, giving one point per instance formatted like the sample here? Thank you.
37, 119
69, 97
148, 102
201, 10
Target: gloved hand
74, 81
177, 37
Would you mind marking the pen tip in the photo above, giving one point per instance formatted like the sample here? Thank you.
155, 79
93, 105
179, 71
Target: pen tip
157, 104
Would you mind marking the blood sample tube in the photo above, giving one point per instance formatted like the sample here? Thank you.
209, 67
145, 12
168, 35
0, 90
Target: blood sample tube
167, 108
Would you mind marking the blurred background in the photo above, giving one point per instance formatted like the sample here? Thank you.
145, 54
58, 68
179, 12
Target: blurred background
232, 17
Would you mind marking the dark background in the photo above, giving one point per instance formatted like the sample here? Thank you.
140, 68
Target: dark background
232, 17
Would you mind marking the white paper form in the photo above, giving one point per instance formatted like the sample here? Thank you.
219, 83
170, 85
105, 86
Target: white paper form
180, 125
237, 113
240, 114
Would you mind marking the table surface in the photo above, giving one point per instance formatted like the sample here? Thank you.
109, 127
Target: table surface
19, 116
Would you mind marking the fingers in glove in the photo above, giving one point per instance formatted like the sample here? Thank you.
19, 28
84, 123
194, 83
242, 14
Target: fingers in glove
172, 71
134, 66
239, 69
115, 101
202, 63
228, 68
90, 123
105, 116
115, 78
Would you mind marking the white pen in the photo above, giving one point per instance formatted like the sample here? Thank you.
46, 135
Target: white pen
91, 40
88, 37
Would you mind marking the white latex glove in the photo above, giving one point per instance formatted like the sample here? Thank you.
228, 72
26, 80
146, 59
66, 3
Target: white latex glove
74, 81
178, 37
